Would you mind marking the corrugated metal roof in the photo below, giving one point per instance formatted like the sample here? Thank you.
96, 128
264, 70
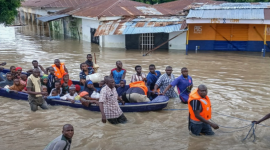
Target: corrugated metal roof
138, 27
237, 6
180, 5
227, 14
51, 18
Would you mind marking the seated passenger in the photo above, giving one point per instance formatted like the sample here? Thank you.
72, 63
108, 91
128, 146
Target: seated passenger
54, 94
89, 88
18, 71
85, 71
71, 95
23, 79
57, 88
17, 86
138, 92
152, 77
89, 61
65, 89
122, 89
118, 73
139, 76
86, 100
39, 67
66, 80
2, 74
59, 68
51, 79
44, 89
8, 81
13, 72
82, 84
44, 80
101, 84
78, 88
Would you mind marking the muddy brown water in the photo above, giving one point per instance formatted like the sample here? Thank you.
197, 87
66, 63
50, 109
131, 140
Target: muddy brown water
238, 83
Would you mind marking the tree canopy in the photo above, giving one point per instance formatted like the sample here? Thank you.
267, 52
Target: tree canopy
8, 10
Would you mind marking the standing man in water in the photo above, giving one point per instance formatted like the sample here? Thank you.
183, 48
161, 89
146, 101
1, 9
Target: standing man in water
89, 61
34, 91
184, 85
118, 73
108, 104
200, 110
59, 69
62, 142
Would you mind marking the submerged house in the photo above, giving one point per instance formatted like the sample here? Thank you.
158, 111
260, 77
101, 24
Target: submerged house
229, 27
117, 23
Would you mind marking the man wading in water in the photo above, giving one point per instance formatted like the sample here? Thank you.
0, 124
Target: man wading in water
63, 141
108, 104
200, 110
34, 91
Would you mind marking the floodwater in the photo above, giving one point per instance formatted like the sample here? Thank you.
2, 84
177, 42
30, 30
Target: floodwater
238, 83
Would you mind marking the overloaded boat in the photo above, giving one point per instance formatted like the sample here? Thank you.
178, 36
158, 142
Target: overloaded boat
158, 103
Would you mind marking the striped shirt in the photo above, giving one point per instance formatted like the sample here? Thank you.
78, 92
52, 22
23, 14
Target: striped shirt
135, 77
196, 105
164, 81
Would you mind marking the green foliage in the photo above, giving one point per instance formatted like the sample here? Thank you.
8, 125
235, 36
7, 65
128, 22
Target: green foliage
154, 1
8, 10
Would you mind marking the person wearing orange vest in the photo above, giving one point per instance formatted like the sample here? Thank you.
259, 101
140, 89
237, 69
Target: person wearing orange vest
138, 92
200, 110
59, 69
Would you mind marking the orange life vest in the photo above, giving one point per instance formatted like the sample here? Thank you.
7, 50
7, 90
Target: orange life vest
139, 84
205, 103
59, 72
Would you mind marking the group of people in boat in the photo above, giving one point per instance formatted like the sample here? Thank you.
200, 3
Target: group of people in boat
54, 83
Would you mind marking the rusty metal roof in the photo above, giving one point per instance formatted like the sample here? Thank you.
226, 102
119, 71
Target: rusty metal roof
180, 5
226, 6
110, 8
137, 26
67, 3
36, 3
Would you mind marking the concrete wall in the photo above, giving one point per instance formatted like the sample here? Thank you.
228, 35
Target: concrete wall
38, 11
86, 25
73, 27
113, 41
179, 43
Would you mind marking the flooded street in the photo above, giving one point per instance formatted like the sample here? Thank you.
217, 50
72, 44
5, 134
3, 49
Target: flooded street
238, 85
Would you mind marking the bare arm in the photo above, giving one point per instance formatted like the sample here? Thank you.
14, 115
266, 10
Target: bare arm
198, 116
29, 91
30, 71
65, 69
263, 119
155, 88
124, 75
45, 71
111, 75
167, 88
102, 112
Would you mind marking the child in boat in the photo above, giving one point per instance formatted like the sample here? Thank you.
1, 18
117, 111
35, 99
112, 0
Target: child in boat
89, 88
101, 85
89, 61
65, 89
54, 95
82, 84
57, 88
23, 79
71, 95
85, 99
13, 72
18, 71
51, 79
44, 89
122, 89
17, 86
8, 82
78, 89
66, 79
85, 71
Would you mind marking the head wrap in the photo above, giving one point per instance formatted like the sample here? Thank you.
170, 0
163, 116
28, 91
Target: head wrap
44, 77
89, 82
77, 88
17, 68
84, 93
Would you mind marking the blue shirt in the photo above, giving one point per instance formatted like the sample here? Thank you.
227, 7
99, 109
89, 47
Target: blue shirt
152, 79
182, 84
117, 76
83, 75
